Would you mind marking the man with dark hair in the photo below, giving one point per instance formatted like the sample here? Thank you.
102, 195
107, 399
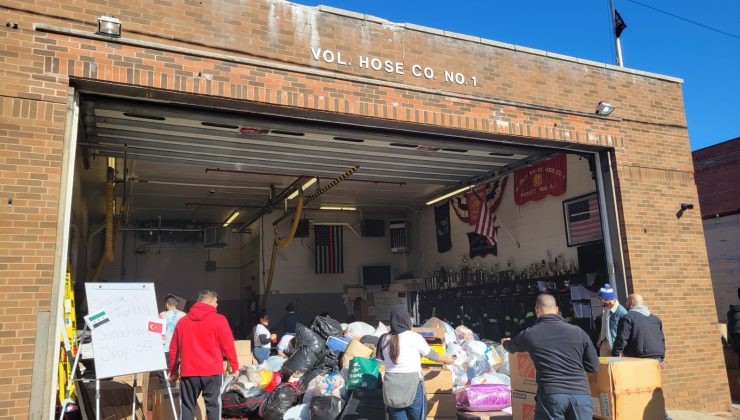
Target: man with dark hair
171, 316
562, 354
733, 326
286, 327
200, 340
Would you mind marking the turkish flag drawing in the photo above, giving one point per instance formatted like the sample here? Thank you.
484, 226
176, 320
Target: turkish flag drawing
156, 326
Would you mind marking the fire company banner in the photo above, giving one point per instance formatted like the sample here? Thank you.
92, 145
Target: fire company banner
536, 182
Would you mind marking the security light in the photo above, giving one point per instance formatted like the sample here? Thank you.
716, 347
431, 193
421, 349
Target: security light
108, 25
603, 109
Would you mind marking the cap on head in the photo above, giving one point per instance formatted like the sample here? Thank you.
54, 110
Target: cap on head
607, 292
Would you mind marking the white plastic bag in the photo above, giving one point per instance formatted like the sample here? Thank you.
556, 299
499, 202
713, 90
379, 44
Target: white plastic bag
463, 334
382, 329
298, 412
359, 329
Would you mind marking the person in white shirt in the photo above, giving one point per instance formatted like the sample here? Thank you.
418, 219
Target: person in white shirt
171, 315
263, 339
401, 351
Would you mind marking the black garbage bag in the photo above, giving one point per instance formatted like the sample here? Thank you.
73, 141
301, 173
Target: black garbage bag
236, 405
364, 404
328, 360
326, 326
325, 407
305, 337
301, 360
280, 400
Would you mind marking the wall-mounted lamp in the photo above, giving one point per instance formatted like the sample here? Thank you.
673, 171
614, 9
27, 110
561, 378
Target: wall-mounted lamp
10, 202
604, 109
108, 25
684, 207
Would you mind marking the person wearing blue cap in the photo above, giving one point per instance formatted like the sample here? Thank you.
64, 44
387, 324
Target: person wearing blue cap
610, 315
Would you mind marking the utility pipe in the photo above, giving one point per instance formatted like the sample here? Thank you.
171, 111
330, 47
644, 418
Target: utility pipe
281, 243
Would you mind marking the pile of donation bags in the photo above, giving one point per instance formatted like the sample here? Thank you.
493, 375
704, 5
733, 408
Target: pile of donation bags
333, 374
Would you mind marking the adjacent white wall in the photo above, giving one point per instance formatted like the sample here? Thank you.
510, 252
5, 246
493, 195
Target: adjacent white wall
722, 235
539, 226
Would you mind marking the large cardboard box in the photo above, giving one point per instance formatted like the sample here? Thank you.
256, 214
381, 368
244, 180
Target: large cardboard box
627, 388
523, 373
162, 409
437, 380
244, 352
441, 405
522, 405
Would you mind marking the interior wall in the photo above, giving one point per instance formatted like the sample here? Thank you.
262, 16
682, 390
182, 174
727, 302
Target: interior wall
538, 226
179, 269
295, 279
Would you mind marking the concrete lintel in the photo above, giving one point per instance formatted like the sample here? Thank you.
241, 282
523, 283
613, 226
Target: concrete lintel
498, 44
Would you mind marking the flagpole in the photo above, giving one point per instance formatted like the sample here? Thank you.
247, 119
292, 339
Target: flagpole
617, 44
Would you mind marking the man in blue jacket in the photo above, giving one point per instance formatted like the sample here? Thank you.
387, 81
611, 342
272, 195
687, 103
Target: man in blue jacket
562, 354
611, 314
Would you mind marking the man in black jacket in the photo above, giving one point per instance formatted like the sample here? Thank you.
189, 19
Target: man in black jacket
562, 354
640, 333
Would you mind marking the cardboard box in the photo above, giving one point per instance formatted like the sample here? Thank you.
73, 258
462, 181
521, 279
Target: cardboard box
437, 380
441, 405
162, 409
431, 334
522, 405
244, 352
523, 373
627, 388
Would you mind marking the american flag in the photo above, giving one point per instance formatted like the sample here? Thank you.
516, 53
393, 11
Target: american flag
486, 225
584, 221
329, 244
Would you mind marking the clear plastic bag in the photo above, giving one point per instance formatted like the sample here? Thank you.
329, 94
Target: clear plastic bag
504, 368
463, 334
477, 365
491, 378
459, 377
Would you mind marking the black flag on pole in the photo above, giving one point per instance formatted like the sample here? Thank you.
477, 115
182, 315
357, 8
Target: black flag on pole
442, 226
619, 24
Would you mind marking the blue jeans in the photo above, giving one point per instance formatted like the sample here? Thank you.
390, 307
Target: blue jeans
416, 411
563, 407
261, 353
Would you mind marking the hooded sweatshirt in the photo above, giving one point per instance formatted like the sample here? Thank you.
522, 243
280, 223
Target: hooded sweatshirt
640, 334
200, 341
733, 327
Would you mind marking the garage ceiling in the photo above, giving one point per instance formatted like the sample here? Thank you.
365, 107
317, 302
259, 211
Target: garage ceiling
169, 148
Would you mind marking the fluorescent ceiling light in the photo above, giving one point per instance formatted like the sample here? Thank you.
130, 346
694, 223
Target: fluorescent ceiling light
231, 218
304, 187
337, 208
448, 195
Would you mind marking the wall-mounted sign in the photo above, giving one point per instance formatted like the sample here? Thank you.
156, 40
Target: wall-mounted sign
449, 76
536, 182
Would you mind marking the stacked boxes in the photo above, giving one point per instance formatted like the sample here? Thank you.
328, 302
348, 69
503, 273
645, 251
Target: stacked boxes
627, 388
440, 399
437, 379
523, 386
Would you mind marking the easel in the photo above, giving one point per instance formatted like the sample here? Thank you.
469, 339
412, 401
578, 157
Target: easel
97, 387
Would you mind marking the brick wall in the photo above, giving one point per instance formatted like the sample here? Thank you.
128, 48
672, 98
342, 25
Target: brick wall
261, 51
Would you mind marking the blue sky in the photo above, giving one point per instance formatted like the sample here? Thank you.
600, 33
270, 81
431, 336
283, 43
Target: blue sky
708, 62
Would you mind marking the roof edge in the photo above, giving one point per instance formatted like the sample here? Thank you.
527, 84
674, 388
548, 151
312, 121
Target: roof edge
478, 40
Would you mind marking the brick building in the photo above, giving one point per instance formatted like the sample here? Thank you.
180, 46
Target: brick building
338, 68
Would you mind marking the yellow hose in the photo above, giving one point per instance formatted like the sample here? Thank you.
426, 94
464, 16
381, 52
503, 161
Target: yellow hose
109, 221
110, 233
281, 243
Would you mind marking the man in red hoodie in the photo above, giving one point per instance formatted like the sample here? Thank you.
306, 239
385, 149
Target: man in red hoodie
199, 342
